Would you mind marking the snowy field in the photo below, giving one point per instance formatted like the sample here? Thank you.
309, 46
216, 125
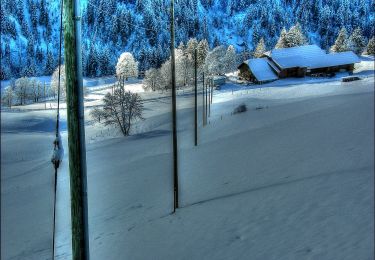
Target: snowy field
292, 178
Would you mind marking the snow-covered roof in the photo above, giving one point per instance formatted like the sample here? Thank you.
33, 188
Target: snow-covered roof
261, 69
310, 56
336, 59
301, 56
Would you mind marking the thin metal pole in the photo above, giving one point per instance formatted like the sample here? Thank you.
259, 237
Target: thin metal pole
174, 113
196, 100
76, 130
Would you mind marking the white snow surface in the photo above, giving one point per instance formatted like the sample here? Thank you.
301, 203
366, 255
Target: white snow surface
291, 178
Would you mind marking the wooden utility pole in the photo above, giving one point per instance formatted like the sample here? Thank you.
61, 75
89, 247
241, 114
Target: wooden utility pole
206, 94
76, 131
174, 114
45, 98
196, 99
209, 97
203, 104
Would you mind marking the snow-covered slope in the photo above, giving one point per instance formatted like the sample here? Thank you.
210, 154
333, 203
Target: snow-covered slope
292, 180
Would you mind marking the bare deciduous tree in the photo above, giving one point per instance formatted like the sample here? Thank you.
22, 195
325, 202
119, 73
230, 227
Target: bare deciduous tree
122, 109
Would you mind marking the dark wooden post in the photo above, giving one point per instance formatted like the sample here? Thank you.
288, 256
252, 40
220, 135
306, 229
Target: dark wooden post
76, 131
203, 103
174, 113
209, 97
45, 98
196, 99
206, 107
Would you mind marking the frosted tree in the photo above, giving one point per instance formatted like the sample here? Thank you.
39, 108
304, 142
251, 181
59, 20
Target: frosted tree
190, 48
214, 64
21, 90
184, 68
126, 66
230, 60
295, 37
203, 49
7, 97
341, 43
260, 49
36, 90
55, 82
357, 42
281, 43
165, 73
370, 49
152, 80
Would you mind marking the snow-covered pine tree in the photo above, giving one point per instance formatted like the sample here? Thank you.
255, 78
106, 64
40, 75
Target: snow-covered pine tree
104, 62
357, 42
203, 49
43, 13
341, 43
370, 49
126, 66
256, 33
92, 62
260, 49
281, 43
295, 37
192, 44
230, 59
50, 64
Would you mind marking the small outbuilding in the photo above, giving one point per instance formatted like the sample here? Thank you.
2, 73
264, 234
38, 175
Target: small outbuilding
257, 70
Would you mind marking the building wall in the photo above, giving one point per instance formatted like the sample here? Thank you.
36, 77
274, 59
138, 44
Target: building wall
292, 72
348, 67
245, 73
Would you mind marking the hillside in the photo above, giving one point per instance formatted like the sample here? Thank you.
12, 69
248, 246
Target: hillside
293, 180
30, 29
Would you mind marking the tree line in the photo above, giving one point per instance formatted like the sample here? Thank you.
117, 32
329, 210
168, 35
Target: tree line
30, 29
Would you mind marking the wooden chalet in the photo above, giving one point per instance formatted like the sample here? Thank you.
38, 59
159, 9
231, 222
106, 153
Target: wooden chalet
298, 61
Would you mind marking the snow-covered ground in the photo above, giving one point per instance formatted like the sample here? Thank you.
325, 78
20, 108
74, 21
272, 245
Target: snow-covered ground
292, 178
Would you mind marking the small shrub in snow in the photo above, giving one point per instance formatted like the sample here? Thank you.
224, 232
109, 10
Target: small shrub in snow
240, 109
